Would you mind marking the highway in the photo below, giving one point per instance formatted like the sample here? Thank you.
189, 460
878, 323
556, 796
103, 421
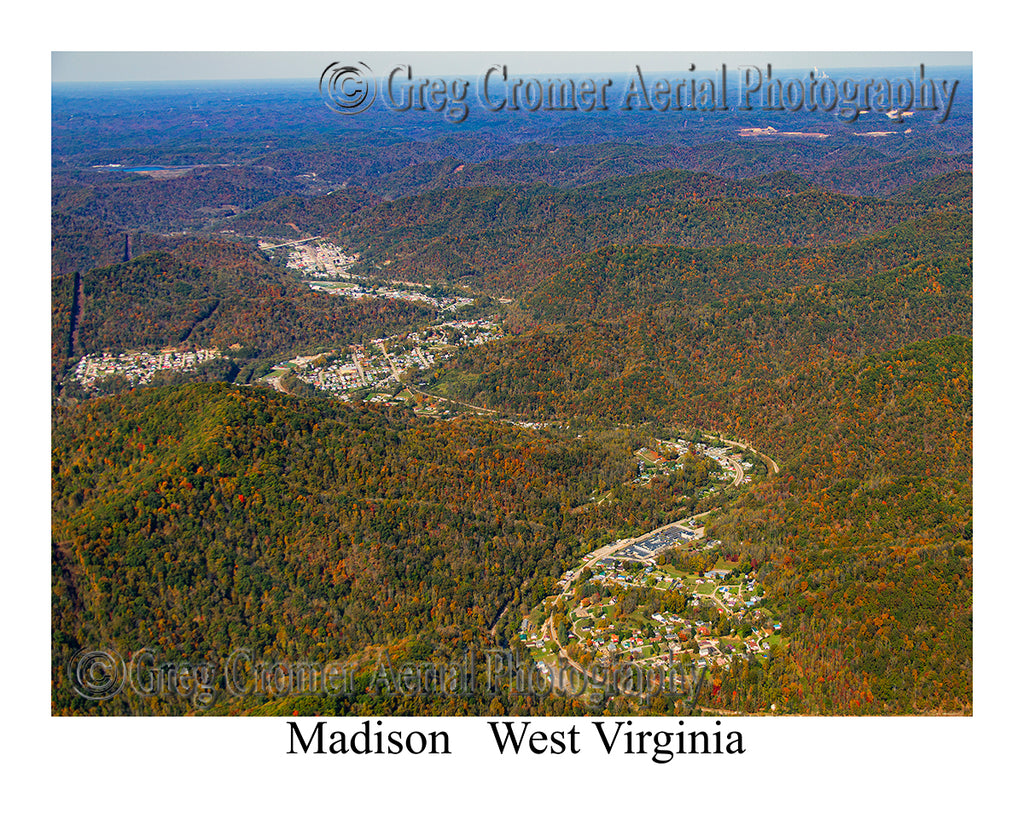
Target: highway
391, 363
425, 394
290, 244
741, 445
738, 467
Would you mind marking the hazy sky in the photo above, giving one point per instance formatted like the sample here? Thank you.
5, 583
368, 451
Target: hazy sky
125, 66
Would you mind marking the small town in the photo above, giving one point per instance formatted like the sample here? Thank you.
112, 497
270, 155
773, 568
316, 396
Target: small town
324, 266
356, 290
708, 618
635, 601
318, 260
374, 372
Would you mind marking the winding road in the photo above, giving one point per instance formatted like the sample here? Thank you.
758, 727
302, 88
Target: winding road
738, 468
748, 447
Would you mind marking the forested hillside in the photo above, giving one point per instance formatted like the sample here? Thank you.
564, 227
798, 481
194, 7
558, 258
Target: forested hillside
204, 518
869, 539
509, 239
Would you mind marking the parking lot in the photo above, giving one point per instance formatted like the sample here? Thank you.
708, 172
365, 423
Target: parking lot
650, 545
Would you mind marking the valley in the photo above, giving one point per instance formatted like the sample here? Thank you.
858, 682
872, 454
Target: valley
581, 395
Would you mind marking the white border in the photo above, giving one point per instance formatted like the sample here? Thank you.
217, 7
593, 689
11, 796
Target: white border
837, 766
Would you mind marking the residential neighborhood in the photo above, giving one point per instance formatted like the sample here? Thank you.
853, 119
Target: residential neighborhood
633, 601
374, 371
324, 266
319, 259
365, 289
138, 367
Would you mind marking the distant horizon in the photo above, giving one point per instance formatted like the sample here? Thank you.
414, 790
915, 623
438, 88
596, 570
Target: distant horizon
106, 68
567, 74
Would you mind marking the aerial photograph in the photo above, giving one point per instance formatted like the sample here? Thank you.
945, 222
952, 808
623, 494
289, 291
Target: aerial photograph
512, 385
